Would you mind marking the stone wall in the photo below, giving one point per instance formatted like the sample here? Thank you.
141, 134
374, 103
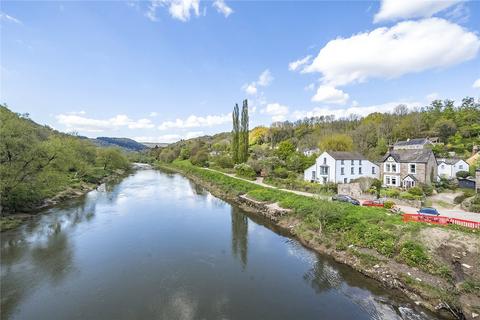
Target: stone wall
350, 189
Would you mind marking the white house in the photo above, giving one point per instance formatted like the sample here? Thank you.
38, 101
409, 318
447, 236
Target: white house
340, 167
448, 168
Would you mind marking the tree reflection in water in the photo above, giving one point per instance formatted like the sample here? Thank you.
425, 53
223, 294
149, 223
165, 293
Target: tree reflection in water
239, 235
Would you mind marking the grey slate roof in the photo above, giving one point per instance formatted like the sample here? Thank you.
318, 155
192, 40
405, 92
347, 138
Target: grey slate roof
411, 142
448, 161
409, 155
344, 155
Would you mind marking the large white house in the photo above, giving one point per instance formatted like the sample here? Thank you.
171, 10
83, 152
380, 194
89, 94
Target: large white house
448, 168
340, 167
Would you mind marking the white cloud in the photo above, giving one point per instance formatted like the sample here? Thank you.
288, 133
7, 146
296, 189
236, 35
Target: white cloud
222, 8
407, 9
169, 138
476, 84
74, 121
277, 111
297, 64
355, 109
178, 9
329, 94
432, 96
6, 17
153, 114
264, 80
410, 46
196, 122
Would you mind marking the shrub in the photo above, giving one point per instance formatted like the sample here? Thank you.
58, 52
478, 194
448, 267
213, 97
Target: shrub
466, 194
388, 204
409, 196
200, 159
416, 191
245, 171
392, 193
280, 172
427, 189
462, 174
224, 161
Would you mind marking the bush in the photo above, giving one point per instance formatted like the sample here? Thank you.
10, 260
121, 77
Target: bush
416, 191
200, 159
245, 171
392, 193
280, 172
388, 204
462, 174
409, 196
224, 161
466, 194
427, 189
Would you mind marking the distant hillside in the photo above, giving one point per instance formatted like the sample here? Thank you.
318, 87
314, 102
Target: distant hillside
125, 143
155, 144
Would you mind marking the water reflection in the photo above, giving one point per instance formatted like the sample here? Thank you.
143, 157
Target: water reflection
239, 235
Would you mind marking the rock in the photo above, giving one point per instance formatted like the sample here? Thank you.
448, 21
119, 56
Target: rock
376, 266
474, 315
466, 265
409, 273
418, 279
417, 303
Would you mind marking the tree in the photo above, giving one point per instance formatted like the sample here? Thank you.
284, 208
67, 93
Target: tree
445, 128
258, 135
336, 142
285, 149
377, 185
243, 145
235, 134
111, 159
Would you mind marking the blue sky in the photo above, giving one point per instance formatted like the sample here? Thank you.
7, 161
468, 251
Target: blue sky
168, 69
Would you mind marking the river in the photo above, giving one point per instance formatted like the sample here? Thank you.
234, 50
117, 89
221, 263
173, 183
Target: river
157, 246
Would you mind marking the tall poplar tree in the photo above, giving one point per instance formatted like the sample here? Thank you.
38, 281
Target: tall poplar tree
243, 153
235, 134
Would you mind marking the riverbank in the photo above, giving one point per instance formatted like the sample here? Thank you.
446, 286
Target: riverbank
433, 266
13, 220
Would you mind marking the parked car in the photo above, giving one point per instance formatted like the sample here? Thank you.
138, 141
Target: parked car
428, 211
373, 203
345, 198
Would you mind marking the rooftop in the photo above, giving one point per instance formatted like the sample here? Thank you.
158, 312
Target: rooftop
411, 142
409, 155
344, 155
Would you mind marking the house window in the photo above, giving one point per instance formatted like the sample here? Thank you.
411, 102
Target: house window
352, 170
387, 180
391, 180
460, 167
323, 170
344, 180
324, 160
313, 175
360, 170
342, 171
373, 170
387, 167
353, 162
394, 181
394, 168
412, 168
342, 162
360, 162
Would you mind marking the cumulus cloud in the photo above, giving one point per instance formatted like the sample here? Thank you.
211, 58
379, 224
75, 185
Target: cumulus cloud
355, 109
178, 9
9, 18
169, 138
407, 9
277, 111
476, 84
74, 121
264, 80
194, 121
329, 94
297, 64
222, 8
410, 46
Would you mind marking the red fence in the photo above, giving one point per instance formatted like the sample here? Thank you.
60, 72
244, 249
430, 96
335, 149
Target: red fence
440, 220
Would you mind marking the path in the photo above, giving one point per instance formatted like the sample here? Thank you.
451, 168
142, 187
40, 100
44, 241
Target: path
451, 213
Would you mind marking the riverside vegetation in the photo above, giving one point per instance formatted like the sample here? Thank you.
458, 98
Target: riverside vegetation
365, 237
38, 163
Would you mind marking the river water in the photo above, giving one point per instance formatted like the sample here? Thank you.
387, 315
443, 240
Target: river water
157, 246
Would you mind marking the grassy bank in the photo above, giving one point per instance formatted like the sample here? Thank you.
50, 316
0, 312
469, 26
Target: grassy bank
373, 233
